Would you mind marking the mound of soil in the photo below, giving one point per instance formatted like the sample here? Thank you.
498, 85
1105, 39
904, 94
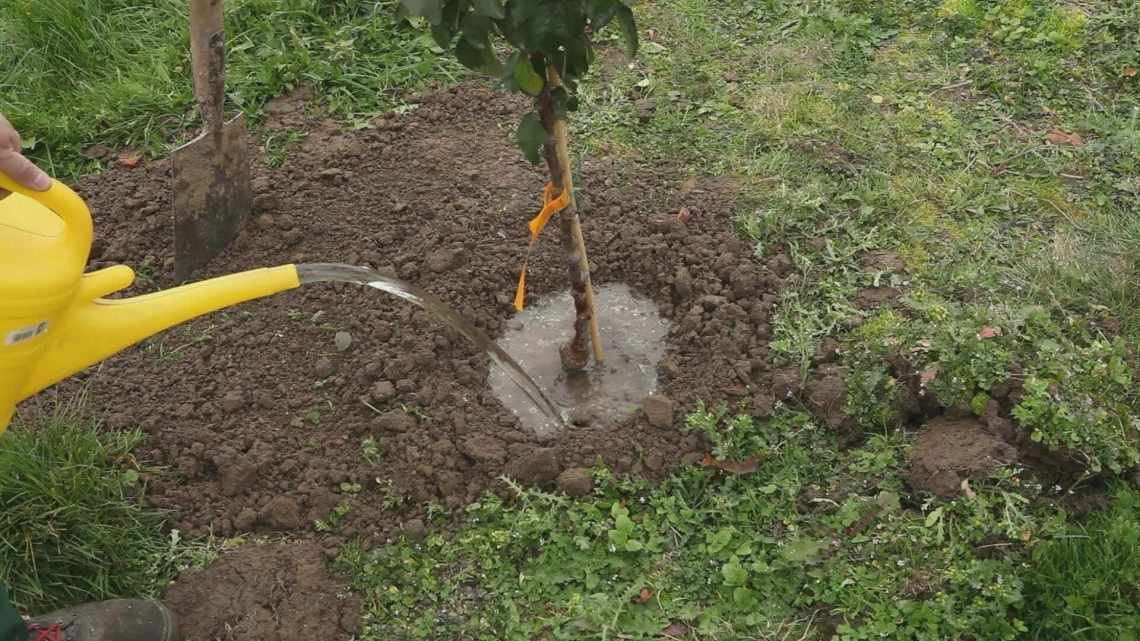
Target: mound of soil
948, 451
274, 592
256, 419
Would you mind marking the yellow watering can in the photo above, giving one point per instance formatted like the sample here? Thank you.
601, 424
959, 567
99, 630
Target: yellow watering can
54, 319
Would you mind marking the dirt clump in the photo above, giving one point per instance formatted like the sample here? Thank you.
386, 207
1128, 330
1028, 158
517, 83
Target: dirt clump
534, 465
272, 592
882, 260
576, 482
824, 396
949, 450
873, 297
658, 410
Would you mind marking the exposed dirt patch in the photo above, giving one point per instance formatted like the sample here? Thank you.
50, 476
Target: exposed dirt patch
948, 451
275, 592
830, 155
873, 297
882, 260
257, 419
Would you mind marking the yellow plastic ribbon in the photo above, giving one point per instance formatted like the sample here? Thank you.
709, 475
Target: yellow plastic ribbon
550, 206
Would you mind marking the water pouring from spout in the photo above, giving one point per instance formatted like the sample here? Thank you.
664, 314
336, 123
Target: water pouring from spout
331, 272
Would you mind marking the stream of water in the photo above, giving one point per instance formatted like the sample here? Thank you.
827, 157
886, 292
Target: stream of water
331, 272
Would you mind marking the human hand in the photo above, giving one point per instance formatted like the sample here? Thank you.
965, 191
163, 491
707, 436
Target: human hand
13, 162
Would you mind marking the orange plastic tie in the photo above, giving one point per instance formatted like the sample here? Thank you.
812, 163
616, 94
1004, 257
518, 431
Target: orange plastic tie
550, 206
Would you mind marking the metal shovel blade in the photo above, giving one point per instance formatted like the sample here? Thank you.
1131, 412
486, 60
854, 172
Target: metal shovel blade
212, 195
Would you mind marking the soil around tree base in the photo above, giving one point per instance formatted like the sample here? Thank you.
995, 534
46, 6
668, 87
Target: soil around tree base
258, 422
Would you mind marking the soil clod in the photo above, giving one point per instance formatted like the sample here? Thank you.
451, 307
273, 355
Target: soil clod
576, 482
278, 591
283, 513
538, 466
658, 410
396, 421
948, 451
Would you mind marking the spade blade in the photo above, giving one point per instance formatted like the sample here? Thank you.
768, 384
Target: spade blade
212, 195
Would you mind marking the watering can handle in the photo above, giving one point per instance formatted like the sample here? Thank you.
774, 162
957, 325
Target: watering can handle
66, 204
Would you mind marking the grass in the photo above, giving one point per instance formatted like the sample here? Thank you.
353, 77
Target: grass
116, 73
939, 132
816, 543
990, 145
1088, 580
71, 530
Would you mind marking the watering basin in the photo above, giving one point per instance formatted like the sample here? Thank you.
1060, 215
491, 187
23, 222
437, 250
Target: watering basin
633, 334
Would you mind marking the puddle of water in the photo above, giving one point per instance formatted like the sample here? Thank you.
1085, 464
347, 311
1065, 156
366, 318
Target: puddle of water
634, 338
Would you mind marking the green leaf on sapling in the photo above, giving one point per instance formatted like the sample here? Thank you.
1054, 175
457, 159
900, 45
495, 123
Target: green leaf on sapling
432, 10
526, 77
564, 101
531, 136
733, 572
628, 29
477, 58
490, 8
476, 30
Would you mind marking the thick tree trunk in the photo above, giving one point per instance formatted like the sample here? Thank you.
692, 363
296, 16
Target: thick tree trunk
575, 354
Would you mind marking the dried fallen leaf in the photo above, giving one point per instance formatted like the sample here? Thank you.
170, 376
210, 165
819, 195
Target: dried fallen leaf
1129, 72
863, 522
921, 346
129, 158
747, 466
689, 185
644, 596
97, 151
877, 99
969, 493
675, 629
1058, 137
988, 332
928, 375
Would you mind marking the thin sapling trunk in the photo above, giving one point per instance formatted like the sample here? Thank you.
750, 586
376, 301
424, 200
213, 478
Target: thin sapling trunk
551, 48
575, 354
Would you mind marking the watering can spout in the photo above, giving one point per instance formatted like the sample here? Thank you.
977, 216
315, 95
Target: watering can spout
96, 327
56, 321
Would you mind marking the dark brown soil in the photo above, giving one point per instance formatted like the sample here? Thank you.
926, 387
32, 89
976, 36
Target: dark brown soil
256, 420
272, 592
948, 451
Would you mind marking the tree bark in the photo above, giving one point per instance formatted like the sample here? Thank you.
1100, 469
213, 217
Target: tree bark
575, 354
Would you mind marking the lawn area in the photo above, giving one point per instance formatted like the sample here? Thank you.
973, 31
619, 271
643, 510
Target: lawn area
116, 73
975, 163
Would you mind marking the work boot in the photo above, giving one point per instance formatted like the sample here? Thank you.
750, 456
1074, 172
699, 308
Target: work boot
117, 620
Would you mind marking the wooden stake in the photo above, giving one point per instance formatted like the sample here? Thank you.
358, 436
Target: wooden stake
557, 154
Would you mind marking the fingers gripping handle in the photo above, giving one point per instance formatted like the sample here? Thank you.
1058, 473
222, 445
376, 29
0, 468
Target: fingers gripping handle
64, 203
